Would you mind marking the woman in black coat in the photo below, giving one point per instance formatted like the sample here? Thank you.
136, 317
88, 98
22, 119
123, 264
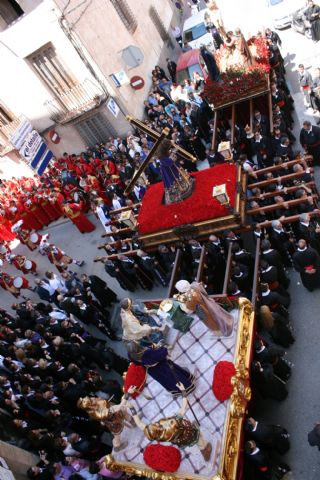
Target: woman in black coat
276, 326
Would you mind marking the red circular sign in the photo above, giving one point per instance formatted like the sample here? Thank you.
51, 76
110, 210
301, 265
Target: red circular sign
54, 137
137, 82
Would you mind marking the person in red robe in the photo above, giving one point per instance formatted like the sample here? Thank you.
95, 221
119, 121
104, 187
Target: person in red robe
33, 203
47, 207
5, 229
111, 169
53, 199
28, 215
74, 213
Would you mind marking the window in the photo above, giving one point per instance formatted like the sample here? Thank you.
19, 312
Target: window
95, 129
10, 10
158, 23
195, 32
5, 116
51, 70
126, 15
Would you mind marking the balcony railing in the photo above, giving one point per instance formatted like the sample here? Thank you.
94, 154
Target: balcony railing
75, 102
5, 132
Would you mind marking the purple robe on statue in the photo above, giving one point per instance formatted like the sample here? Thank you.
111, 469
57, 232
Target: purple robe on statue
169, 171
177, 183
166, 372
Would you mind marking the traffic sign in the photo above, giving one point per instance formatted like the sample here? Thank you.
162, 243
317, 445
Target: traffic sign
30, 145
19, 136
137, 82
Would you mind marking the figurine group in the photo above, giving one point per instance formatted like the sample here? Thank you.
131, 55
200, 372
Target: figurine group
143, 335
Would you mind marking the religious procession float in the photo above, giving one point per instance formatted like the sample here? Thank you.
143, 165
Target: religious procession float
188, 386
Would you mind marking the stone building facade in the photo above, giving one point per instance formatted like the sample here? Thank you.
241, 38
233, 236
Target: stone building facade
67, 65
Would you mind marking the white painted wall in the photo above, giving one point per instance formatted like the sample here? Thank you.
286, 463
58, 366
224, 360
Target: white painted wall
103, 34
20, 88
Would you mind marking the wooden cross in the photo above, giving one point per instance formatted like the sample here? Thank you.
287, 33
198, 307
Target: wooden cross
158, 137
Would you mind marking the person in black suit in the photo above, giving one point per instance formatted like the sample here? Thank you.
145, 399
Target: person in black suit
268, 385
261, 122
266, 467
243, 257
281, 240
260, 148
113, 268
43, 470
284, 149
270, 436
276, 302
310, 140
309, 231
269, 274
88, 448
272, 354
240, 275
273, 257
99, 288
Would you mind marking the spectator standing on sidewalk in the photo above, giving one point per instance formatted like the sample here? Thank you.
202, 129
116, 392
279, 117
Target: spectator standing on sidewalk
176, 32
305, 81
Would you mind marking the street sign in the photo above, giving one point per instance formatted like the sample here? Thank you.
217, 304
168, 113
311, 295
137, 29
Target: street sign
39, 154
137, 82
30, 145
19, 136
46, 159
113, 107
132, 56
120, 78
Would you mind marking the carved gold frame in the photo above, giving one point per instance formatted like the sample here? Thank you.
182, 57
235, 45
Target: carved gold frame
236, 413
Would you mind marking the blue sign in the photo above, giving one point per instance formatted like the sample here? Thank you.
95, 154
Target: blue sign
38, 155
48, 156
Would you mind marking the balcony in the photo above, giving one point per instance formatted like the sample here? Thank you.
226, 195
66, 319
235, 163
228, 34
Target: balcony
73, 103
5, 132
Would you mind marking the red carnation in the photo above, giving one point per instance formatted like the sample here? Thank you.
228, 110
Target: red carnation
135, 376
221, 386
162, 458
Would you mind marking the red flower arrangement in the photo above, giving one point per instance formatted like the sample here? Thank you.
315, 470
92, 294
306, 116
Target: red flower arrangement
262, 52
136, 376
155, 215
221, 385
162, 458
239, 81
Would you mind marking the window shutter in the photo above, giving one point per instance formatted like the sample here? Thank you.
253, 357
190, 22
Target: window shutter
95, 129
158, 23
126, 15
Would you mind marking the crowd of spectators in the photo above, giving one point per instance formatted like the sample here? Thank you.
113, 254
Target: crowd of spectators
49, 359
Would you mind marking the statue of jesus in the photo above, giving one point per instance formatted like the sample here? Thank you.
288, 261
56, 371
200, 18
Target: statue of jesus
178, 185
